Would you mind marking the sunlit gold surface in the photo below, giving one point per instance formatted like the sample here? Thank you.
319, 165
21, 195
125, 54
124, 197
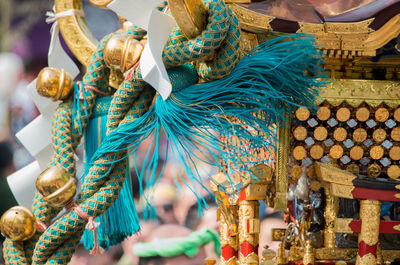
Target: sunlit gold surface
54, 83
56, 186
75, 31
18, 224
190, 15
100, 3
122, 52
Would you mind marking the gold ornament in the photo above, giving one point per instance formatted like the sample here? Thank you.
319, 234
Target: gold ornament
302, 114
56, 186
320, 133
190, 15
100, 3
122, 52
362, 114
309, 256
376, 152
356, 153
379, 135
394, 172
316, 152
300, 133
343, 114
381, 114
396, 115
299, 153
394, 153
54, 83
374, 171
360, 135
281, 256
336, 152
210, 261
395, 134
353, 168
324, 113
297, 171
294, 255
340, 134
18, 224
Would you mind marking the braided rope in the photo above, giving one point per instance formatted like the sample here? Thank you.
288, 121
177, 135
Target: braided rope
57, 244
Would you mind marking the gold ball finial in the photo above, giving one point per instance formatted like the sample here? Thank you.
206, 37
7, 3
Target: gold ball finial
122, 52
18, 224
56, 186
54, 83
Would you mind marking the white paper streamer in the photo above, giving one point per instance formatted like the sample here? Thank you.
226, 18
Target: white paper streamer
136, 11
151, 63
23, 184
143, 14
36, 136
57, 57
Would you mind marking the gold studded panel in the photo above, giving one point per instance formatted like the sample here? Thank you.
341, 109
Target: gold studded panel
361, 139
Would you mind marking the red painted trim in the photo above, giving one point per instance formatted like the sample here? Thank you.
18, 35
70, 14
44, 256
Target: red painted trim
228, 252
374, 194
246, 249
386, 227
364, 249
242, 196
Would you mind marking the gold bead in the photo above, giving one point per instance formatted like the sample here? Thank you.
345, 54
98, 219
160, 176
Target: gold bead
122, 52
100, 3
343, 114
299, 153
54, 83
56, 186
362, 114
381, 114
300, 133
18, 224
316, 152
190, 15
356, 152
324, 113
302, 114
320, 133
340, 134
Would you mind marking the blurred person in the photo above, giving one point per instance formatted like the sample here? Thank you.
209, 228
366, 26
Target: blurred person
174, 244
165, 197
110, 257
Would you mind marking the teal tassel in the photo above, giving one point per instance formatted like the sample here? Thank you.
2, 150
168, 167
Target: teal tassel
121, 219
273, 79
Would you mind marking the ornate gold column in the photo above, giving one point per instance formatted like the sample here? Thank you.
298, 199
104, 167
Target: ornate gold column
249, 229
228, 236
370, 213
330, 214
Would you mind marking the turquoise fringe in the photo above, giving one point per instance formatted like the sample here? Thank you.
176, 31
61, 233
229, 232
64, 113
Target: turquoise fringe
273, 79
121, 219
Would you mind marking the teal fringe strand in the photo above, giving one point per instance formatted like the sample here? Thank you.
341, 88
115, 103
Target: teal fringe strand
121, 219
270, 81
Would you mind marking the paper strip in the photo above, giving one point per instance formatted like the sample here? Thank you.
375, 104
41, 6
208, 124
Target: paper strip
23, 184
36, 135
151, 63
136, 11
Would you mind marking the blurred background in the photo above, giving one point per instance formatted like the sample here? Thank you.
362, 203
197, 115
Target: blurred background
24, 42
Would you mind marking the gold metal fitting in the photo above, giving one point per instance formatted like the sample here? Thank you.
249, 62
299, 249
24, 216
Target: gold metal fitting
54, 83
100, 3
56, 186
18, 224
122, 52
309, 256
190, 15
281, 257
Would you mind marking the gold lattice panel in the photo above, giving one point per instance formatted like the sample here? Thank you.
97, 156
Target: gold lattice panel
363, 139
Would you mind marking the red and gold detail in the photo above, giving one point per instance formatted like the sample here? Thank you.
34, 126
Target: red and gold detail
249, 229
362, 139
369, 235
